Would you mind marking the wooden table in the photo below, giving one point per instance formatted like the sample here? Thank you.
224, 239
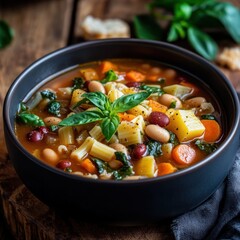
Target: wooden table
42, 26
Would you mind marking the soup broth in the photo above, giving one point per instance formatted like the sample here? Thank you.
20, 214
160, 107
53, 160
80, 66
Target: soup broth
120, 119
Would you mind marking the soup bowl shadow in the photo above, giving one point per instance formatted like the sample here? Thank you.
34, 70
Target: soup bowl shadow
130, 201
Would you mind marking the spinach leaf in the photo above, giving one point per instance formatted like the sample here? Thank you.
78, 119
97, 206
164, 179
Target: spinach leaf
98, 99
146, 27
208, 116
173, 139
48, 94
109, 126
202, 43
206, 147
30, 119
109, 77
82, 118
78, 83
154, 148
151, 89
129, 101
125, 170
101, 165
54, 108
6, 34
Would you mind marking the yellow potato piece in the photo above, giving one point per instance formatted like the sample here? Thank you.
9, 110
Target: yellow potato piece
145, 166
185, 124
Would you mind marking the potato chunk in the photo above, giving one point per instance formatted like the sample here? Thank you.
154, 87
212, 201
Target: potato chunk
185, 124
145, 166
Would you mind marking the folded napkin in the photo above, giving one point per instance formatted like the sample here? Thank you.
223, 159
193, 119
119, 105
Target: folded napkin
216, 218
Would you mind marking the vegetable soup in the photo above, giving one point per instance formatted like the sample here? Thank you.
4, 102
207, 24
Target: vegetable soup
120, 119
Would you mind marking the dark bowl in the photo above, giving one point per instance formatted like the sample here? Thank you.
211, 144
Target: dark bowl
135, 201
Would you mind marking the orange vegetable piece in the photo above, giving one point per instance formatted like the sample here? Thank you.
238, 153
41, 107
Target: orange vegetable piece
212, 130
183, 154
88, 165
135, 76
106, 66
152, 78
156, 106
126, 116
165, 168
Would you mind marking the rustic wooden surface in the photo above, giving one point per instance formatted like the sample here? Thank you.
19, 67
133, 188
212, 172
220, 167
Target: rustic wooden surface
42, 26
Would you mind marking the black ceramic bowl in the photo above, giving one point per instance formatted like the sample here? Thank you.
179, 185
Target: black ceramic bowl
124, 201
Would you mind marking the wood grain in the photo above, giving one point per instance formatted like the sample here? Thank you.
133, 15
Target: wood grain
42, 26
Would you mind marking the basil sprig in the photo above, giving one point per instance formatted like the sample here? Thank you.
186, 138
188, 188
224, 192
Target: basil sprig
189, 19
109, 77
6, 34
107, 112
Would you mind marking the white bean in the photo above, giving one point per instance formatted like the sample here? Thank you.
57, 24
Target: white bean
119, 147
95, 86
167, 99
195, 102
157, 133
50, 155
49, 121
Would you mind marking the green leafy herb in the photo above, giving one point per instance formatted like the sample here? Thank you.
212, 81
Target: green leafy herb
152, 89
173, 139
208, 116
206, 147
54, 107
107, 113
6, 34
173, 104
146, 27
119, 174
125, 170
109, 77
30, 119
78, 83
48, 94
189, 19
154, 148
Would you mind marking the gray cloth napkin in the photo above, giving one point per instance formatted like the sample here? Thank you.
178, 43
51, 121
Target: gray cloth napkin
216, 218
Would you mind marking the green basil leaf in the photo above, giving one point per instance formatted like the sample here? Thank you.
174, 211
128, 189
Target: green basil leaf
228, 15
109, 77
202, 43
30, 119
6, 34
146, 27
129, 101
98, 99
182, 11
82, 118
172, 34
109, 126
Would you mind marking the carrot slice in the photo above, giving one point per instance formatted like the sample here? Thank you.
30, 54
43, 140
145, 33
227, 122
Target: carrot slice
165, 168
106, 66
135, 76
88, 165
126, 116
183, 154
156, 106
212, 130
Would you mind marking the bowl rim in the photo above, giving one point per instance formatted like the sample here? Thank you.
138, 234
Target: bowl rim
194, 167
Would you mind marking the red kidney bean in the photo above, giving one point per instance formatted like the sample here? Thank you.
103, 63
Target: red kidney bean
133, 84
42, 129
86, 83
158, 118
139, 150
34, 136
63, 164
